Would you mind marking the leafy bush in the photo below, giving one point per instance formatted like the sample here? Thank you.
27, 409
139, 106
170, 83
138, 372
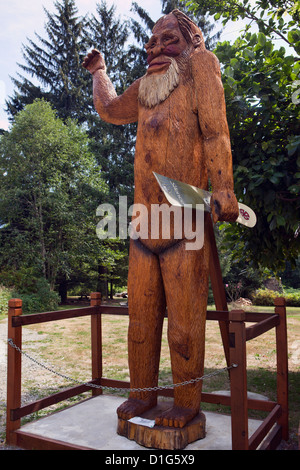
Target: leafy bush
22, 280
266, 297
34, 290
43, 299
293, 299
5, 295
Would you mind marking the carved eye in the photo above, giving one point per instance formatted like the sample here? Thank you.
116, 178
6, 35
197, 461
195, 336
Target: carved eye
170, 39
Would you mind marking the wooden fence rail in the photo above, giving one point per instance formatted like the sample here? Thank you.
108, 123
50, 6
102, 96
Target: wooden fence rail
268, 435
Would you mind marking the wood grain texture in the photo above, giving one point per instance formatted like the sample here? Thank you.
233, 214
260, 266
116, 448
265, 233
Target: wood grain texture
163, 437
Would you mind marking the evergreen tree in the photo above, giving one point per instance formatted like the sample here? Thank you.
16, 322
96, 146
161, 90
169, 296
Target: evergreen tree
113, 145
109, 33
55, 64
141, 34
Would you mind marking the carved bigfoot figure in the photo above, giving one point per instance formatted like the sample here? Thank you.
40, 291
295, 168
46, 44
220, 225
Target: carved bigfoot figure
182, 134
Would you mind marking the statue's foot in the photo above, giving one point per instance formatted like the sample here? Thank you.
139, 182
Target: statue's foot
176, 417
134, 407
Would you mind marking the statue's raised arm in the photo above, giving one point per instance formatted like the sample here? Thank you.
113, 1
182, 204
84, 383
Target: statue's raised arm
112, 108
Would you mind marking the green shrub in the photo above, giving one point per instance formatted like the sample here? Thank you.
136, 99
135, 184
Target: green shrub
42, 300
293, 299
5, 295
266, 297
26, 284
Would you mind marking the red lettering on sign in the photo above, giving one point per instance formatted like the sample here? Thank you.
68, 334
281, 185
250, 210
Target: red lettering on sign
244, 214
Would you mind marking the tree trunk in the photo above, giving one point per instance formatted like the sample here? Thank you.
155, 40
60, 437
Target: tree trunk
63, 290
102, 284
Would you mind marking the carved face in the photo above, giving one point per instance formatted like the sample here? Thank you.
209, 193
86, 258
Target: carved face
166, 42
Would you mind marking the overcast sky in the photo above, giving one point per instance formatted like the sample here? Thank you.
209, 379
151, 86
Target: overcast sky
20, 19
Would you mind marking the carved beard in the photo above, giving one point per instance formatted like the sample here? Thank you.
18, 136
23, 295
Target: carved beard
154, 89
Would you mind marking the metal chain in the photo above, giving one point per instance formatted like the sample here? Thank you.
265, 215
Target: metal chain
147, 389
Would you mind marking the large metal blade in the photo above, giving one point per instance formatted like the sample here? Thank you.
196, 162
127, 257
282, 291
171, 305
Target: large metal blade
181, 194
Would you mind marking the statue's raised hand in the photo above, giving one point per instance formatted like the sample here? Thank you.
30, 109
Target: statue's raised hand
94, 61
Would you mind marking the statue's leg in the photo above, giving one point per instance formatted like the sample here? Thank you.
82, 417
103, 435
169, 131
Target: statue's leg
146, 304
185, 276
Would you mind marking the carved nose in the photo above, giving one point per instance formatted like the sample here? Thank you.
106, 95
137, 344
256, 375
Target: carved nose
157, 50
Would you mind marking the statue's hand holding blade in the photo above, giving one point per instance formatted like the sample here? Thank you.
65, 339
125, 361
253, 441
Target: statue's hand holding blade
180, 194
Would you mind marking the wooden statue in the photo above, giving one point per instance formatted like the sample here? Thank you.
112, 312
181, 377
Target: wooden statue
183, 134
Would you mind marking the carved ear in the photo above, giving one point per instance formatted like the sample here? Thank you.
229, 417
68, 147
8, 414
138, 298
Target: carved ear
197, 39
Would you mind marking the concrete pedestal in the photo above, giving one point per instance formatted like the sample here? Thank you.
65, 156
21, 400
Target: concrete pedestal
93, 424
